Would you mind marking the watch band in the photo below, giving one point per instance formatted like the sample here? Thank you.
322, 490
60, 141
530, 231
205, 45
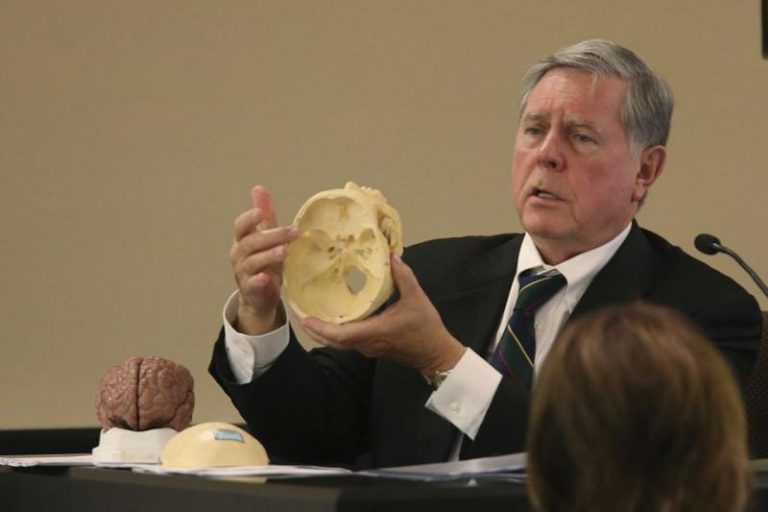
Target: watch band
436, 379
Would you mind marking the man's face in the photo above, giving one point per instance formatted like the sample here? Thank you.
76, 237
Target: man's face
576, 184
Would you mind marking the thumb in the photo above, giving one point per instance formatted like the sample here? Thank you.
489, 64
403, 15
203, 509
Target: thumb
261, 198
404, 277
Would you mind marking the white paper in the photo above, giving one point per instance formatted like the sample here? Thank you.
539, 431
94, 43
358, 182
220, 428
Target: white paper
25, 461
506, 467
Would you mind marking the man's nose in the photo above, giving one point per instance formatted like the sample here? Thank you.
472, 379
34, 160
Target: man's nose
550, 152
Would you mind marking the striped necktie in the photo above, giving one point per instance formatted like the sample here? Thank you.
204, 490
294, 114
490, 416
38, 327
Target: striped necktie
515, 352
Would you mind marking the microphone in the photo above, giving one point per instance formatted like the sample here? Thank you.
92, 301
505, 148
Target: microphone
709, 244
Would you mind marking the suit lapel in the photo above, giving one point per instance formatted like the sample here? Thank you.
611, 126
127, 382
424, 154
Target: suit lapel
625, 278
481, 294
484, 286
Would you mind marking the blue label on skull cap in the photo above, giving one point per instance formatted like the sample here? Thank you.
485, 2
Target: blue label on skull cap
223, 434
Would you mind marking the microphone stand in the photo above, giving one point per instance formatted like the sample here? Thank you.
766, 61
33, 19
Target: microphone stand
746, 267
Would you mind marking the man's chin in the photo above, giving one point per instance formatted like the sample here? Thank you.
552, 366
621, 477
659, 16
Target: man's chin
539, 228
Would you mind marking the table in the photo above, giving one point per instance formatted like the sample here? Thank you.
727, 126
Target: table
116, 490
86, 489
98, 489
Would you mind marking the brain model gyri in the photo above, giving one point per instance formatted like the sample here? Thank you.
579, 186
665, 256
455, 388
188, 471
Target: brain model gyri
144, 393
338, 269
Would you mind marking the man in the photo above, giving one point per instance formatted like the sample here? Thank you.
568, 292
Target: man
431, 378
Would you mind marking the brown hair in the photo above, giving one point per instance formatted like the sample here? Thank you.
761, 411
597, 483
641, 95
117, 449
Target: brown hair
634, 410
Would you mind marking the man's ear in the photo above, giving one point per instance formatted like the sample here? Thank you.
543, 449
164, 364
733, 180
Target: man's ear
652, 161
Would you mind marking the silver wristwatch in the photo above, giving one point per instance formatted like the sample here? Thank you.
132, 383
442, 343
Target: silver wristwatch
436, 379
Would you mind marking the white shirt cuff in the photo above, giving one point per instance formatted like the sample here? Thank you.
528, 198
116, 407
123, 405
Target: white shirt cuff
250, 356
465, 395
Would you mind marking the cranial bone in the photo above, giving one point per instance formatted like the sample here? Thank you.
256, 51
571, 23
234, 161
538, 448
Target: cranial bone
338, 269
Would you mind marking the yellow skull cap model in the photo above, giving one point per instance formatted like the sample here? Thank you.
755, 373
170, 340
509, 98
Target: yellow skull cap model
213, 444
338, 269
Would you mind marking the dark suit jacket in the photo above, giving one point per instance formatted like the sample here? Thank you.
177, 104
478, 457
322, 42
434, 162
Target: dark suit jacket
330, 407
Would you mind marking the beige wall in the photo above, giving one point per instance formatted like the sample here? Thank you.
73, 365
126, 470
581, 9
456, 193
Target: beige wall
130, 133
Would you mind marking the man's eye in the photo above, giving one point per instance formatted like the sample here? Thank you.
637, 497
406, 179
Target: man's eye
533, 130
584, 139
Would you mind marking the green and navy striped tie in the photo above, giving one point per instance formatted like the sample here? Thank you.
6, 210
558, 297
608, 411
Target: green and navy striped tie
516, 351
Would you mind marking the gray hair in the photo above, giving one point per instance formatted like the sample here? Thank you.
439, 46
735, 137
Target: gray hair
646, 112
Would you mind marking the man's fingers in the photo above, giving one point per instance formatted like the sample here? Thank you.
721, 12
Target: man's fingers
261, 292
262, 283
271, 246
340, 336
323, 331
258, 282
404, 278
261, 217
266, 240
247, 222
262, 199
262, 261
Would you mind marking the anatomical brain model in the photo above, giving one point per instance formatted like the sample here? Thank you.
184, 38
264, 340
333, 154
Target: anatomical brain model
338, 269
144, 393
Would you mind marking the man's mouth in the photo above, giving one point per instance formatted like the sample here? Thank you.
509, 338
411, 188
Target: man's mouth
543, 194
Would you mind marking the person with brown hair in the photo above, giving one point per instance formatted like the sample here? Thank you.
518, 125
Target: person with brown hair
634, 410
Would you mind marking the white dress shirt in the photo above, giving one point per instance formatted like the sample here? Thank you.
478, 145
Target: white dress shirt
464, 397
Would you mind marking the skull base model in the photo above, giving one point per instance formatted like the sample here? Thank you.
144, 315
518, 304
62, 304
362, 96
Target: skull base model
338, 269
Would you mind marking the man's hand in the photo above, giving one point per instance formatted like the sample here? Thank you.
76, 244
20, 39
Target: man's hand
257, 256
410, 332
